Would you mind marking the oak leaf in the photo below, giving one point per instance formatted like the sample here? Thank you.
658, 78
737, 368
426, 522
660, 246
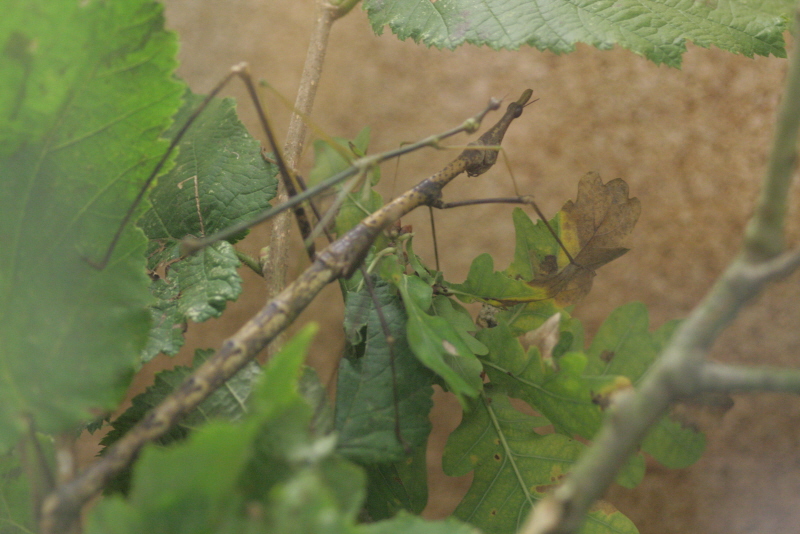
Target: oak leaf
592, 229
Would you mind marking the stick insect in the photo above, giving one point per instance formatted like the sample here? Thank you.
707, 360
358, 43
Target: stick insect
340, 259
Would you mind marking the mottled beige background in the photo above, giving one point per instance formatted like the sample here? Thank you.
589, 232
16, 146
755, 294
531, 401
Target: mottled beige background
691, 143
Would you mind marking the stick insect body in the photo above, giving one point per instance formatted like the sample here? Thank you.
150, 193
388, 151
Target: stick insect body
340, 259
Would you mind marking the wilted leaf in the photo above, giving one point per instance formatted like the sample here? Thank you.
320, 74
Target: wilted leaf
592, 229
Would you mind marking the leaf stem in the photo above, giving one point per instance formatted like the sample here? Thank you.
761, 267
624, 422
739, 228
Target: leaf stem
507, 449
278, 260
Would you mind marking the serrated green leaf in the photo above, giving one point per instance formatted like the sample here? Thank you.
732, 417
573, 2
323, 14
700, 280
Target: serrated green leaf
167, 324
514, 467
87, 89
228, 402
437, 344
657, 30
624, 346
405, 523
219, 179
366, 400
397, 486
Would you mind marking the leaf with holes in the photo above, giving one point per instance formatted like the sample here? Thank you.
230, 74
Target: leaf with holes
219, 179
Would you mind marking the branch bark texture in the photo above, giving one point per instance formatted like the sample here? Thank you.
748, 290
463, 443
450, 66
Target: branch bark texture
682, 370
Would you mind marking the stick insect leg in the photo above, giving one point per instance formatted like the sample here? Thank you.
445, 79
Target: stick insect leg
387, 333
100, 265
527, 200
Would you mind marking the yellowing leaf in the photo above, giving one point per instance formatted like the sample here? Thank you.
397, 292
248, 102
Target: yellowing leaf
592, 229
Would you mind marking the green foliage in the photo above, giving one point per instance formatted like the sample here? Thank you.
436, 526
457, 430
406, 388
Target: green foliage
657, 30
228, 402
219, 179
514, 466
267, 473
374, 377
77, 144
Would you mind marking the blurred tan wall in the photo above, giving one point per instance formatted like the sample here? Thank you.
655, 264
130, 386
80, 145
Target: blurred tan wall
691, 143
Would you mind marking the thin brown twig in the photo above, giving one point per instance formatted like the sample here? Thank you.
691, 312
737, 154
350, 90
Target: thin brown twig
277, 261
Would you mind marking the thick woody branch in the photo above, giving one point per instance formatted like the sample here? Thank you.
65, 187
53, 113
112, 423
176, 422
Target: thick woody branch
682, 369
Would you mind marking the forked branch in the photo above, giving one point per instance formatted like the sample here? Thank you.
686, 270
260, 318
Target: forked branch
682, 370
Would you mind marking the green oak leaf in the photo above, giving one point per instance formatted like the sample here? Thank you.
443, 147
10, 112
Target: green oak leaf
623, 346
87, 90
227, 402
514, 467
657, 30
484, 284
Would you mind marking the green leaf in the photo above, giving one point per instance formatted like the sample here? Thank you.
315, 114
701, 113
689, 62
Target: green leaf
87, 89
355, 208
219, 179
460, 319
565, 396
197, 288
484, 284
437, 344
366, 400
228, 402
657, 30
397, 486
514, 467
624, 346
16, 487
405, 523
336, 154
265, 473
534, 245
